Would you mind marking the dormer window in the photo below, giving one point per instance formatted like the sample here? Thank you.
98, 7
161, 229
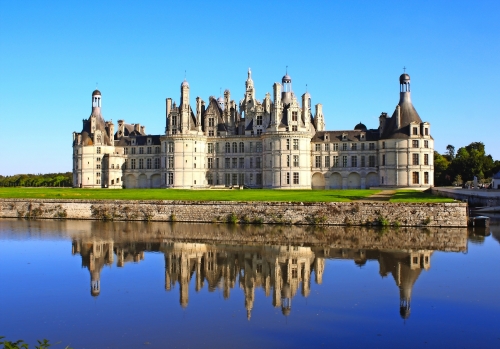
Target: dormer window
344, 137
362, 137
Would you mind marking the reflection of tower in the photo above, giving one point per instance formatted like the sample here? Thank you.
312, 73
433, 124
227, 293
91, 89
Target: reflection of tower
319, 268
405, 268
184, 281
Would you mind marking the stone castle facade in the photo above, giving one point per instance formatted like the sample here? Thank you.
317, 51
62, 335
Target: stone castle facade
274, 143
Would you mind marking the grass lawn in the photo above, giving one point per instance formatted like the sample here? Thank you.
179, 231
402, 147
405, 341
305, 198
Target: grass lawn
178, 194
408, 195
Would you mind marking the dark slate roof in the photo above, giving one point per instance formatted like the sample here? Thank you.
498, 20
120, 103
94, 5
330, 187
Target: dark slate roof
250, 126
408, 115
360, 126
352, 136
139, 140
100, 125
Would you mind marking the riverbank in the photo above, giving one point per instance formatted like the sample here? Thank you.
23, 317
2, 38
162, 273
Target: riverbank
248, 212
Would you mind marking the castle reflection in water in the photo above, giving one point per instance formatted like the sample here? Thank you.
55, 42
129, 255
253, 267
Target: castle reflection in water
281, 271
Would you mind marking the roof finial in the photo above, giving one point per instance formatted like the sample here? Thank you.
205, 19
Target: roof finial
306, 88
286, 71
249, 73
404, 69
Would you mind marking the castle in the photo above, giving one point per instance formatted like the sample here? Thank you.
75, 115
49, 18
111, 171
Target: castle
275, 143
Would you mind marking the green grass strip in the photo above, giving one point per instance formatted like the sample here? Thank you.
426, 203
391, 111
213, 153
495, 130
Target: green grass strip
409, 195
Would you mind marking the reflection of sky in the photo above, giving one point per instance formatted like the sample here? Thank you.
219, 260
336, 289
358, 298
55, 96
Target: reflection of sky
46, 294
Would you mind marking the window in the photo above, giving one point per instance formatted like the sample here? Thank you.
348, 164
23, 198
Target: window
170, 147
242, 162
242, 147
295, 178
141, 164
98, 166
354, 146
354, 161
126, 151
170, 162
295, 144
270, 146
211, 122
235, 162
426, 144
132, 164
228, 147
362, 146
295, 161
210, 148
259, 132
98, 174
227, 179
426, 159
98, 150
251, 162
210, 133
210, 178
415, 131
327, 146
287, 175
258, 178
170, 177
416, 178
335, 147
141, 150
148, 164
344, 146
217, 163
210, 163
414, 143
426, 131
371, 161
133, 150
294, 116
251, 147
294, 128
235, 147
258, 147
235, 179
227, 162
344, 161
371, 146
98, 181
318, 161
157, 150
383, 145
157, 163
415, 159
216, 147
335, 161
287, 144
363, 164
259, 120
257, 162
383, 160
426, 177
149, 150
318, 147
327, 161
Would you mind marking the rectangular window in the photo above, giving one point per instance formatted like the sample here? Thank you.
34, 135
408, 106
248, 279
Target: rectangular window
287, 144
287, 175
216, 147
227, 162
354, 161
327, 146
257, 162
426, 159
383, 145
98, 174
235, 147
259, 132
251, 147
227, 179
294, 116
217, 163
426, 177
426, 131
327, 161
98, 166
335, 161
210, 148
295, 161
170, 147
149, 150
294, 128
132, 150
414, 143
354, 146
210, 163
157, 163
251, 162
235, 162
288, 161
98, 150
335, 147
170, 178
132, 164
295, 178
157, 150
415, 131
371, 161
210, 178
235, 179
318, 161
259, 120
242, 162
210, 133
415, 159
344, 161
383, 160
242, 147
363, 164
318, 147
148, 164
211, 122
416, 178
362, 146
295, 144
141, 164
258, 147
426, 144
126, 151
344, 146
258, 178
141, 150
170, 162
371, 146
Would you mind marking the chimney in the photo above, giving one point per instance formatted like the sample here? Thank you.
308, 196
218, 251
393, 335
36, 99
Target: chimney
398, 117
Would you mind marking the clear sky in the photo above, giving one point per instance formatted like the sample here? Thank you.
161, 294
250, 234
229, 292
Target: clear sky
349, 53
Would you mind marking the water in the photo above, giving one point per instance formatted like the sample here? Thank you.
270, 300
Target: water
139, 285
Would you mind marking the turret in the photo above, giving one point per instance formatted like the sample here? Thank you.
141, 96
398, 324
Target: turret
319, 120
96, 102
184, 107
286, 95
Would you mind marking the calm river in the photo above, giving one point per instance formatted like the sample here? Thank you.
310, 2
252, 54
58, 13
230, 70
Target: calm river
156, 285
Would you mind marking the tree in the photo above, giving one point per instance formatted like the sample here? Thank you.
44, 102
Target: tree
450, 152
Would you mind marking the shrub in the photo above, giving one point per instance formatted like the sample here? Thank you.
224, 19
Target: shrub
232, 218
383, 221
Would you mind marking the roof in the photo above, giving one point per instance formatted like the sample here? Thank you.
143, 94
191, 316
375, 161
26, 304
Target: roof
96, 92
408, 115
360, 127
351, 136
139, 140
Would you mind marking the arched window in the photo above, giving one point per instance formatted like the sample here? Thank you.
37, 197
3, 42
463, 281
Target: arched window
228, 147
235, 147
242, 147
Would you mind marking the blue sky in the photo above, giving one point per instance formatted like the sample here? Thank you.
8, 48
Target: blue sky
349, 53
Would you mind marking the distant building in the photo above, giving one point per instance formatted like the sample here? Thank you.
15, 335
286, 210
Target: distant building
275, 143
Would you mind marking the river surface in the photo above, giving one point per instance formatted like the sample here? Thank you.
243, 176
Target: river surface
94, 284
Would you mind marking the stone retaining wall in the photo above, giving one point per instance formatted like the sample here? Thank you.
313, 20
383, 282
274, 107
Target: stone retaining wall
334, 213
